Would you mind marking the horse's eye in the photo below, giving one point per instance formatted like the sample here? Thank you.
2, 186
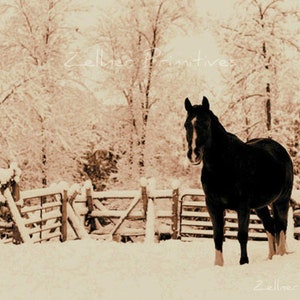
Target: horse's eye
201, 125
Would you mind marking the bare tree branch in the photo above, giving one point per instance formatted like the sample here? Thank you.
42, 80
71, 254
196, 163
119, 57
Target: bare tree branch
237, 101
14, 89
269, 6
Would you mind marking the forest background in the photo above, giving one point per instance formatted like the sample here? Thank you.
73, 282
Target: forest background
96, 90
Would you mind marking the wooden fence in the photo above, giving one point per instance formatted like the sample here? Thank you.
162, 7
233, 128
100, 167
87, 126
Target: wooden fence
40, 215
178, 214
195, 220
146, 214
45, 214
122, 215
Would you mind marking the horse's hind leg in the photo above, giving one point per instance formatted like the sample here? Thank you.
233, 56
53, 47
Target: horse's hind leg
243, 220
268, 222
280, 212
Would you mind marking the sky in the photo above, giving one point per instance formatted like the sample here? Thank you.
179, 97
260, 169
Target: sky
201, 47
186, 46
203, 42
199, 50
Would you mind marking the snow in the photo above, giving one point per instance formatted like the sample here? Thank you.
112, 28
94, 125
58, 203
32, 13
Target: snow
5, 175
169, 270
150, 224
12, 173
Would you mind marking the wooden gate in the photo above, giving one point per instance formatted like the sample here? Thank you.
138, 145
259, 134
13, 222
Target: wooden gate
131, 214
45, 214
37, 215
195, 220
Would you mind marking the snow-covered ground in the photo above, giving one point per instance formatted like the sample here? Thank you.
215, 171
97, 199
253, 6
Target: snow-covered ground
168, 270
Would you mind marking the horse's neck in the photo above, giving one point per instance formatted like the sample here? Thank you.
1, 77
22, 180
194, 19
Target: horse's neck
219, 145
219, 136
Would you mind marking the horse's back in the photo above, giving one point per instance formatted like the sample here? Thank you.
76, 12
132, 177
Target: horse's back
256, 174
273, 148
274, 151
277, 165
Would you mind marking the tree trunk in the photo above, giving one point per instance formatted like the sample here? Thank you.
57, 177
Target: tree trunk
43, 154
43, 151
130, 155
142, 146
44, 167
268, 107
268, 89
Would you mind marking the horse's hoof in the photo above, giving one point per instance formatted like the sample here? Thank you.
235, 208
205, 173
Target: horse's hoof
219, 261
244, 260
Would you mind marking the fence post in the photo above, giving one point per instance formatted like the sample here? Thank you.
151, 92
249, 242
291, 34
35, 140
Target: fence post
76, 224
90, 205
64, 216
150, 223
290, 239
150, 220
89, 200
144, 195
175, 200
16, 196
16, 191
17, 218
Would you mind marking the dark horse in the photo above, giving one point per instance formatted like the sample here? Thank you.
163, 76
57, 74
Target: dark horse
240, 176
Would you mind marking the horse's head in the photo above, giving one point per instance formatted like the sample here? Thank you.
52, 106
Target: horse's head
197, 127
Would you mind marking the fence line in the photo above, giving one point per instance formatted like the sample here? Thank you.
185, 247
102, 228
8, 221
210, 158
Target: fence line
174, 213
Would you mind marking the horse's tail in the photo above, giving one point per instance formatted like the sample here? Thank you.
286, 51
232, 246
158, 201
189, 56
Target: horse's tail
289, 182
285, 200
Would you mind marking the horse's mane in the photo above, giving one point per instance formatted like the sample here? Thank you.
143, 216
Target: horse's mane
217, 124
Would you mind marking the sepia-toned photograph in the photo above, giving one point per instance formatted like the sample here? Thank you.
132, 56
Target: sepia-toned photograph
149, 149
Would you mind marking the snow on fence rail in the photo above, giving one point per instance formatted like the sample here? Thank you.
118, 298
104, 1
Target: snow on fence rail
132, 218
41, 217
45, 213
184, 217
144, 214
37, 215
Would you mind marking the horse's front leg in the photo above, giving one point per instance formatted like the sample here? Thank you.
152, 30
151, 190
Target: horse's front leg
217, 218
243, 219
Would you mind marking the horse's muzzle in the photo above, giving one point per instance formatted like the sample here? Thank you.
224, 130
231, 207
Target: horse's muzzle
195, 156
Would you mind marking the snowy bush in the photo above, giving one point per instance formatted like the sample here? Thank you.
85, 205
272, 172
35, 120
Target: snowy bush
100, 166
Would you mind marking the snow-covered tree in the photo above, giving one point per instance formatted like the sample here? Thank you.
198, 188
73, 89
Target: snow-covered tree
133, 40
261, 41
48, 116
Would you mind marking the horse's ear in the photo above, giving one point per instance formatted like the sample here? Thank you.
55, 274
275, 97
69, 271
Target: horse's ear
187, 104
205, 103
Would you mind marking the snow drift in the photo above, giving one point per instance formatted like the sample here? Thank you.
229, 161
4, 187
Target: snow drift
168, 270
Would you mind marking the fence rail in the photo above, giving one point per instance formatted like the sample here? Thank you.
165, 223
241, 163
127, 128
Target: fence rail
121, 215
195, 219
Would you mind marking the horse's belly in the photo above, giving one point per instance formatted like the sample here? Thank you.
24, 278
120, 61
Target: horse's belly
250, 193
